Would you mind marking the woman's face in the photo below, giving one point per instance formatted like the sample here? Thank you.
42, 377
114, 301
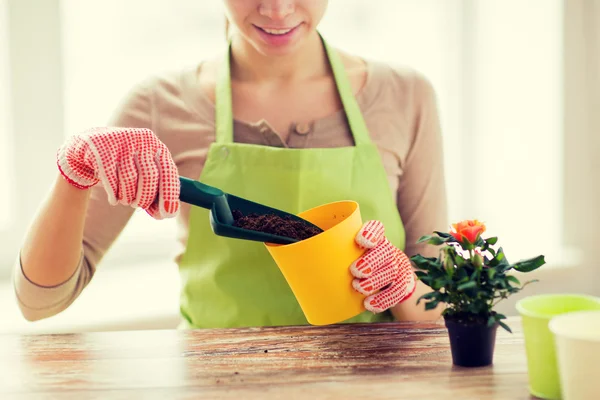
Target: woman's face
275, 27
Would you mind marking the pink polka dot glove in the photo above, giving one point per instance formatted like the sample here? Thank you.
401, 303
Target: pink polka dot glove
133, 165
383, 273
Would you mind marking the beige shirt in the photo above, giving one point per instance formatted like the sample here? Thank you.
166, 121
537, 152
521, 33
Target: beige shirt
399, 107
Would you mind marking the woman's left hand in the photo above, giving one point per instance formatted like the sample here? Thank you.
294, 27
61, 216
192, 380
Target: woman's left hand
382, 266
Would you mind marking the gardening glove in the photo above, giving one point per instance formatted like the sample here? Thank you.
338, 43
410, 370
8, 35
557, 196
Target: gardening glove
383, 273
133, 165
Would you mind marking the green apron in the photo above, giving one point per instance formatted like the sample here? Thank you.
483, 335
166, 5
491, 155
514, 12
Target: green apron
235, 283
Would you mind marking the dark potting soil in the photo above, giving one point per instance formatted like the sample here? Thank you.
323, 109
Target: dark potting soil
275, 225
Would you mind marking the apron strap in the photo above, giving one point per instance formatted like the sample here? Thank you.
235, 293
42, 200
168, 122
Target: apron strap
223, 101
357, 124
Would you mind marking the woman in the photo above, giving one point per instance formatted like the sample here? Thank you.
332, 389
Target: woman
282, 119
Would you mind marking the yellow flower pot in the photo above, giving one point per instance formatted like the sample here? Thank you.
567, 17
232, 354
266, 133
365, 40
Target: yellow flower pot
318, 268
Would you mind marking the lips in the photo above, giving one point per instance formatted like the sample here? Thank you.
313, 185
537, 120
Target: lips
276, 31
278, 36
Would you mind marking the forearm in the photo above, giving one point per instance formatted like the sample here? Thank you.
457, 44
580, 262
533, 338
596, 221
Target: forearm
408, 310
52, 247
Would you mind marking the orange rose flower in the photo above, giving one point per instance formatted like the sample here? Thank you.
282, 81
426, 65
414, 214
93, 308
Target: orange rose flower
468, 231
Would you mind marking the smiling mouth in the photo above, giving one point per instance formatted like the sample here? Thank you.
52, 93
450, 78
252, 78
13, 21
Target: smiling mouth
277, 32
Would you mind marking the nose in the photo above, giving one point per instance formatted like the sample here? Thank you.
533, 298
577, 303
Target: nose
277, 9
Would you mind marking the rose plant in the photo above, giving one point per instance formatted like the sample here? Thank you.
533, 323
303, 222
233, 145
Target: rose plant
470, 276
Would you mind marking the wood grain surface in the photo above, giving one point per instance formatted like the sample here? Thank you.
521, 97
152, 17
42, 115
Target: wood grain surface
370, 361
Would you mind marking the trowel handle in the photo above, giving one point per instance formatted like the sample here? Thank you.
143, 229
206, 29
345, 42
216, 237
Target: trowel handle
205, 196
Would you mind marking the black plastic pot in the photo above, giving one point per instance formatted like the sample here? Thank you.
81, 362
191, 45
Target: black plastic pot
472, 344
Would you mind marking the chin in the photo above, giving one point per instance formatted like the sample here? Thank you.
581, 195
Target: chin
279, 51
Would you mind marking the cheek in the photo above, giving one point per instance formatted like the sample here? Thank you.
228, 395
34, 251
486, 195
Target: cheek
315, 9
238, 10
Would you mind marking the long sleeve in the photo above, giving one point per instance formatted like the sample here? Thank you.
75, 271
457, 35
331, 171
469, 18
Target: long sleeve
103, 225
422, 200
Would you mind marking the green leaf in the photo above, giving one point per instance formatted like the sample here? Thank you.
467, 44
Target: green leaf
463, 280
491, 321
502, 324
461, 275
424, 238
500, 256
436, 241
492, 240
468, 285
427, 296
529, 265
438, 284
425, 263
444, 235
499, 260
431, 305
494, 262
419, 259
431, 239
513, 279
443, 297
491, 273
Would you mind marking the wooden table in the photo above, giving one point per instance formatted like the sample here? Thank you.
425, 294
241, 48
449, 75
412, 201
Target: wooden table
373, 361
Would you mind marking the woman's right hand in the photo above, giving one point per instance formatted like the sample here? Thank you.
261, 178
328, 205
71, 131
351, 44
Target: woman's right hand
132, 164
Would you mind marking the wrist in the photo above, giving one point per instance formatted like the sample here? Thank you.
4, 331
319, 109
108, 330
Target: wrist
69, 190
409, 310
